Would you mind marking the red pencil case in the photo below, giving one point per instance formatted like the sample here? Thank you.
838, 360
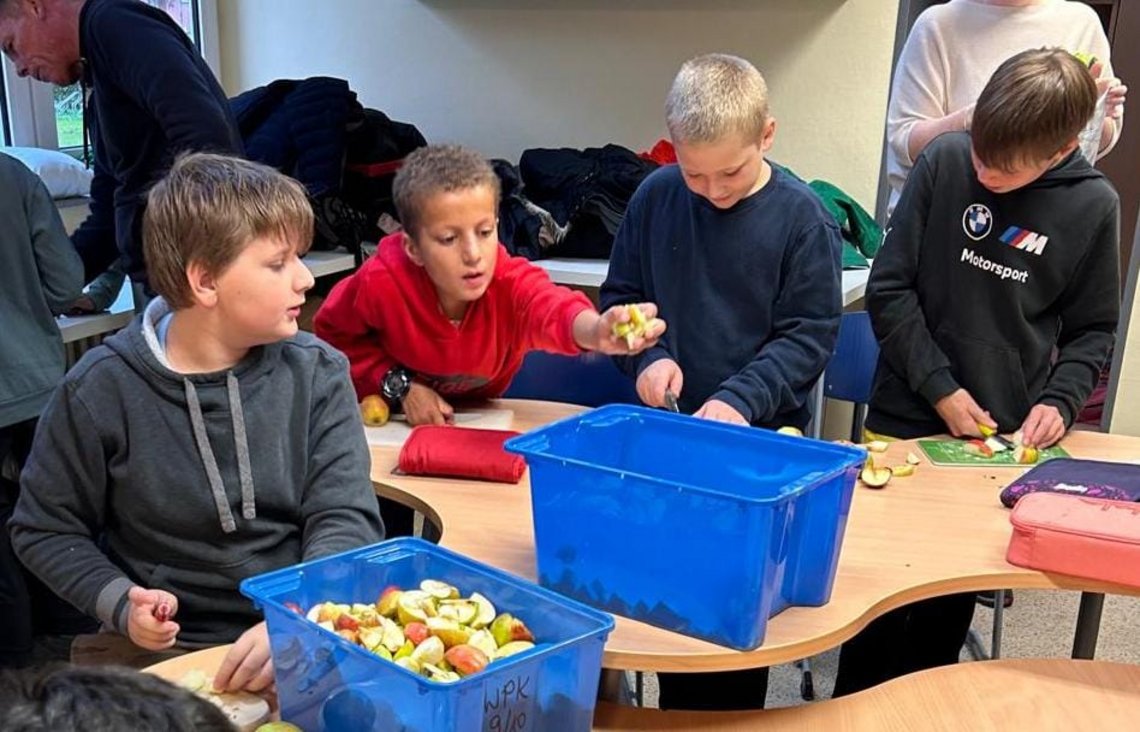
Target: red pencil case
461, 452
1084, 537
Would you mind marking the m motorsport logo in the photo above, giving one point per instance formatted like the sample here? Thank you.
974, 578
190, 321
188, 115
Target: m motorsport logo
1024, 239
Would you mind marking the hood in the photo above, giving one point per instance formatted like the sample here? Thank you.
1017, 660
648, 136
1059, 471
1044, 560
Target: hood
1074, 167
199, 395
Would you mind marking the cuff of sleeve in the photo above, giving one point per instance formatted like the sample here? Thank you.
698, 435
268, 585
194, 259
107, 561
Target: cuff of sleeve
736, 403
111, 605
937, 385
650, 357
576, 308
1063, 407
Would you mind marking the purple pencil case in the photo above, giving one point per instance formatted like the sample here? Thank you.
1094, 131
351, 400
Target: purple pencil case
1070, 476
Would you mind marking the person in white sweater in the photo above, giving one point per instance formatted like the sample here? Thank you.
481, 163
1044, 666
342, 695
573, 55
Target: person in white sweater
954, 48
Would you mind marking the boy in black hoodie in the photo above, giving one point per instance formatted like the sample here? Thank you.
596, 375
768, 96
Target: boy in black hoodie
995, 299
207, 442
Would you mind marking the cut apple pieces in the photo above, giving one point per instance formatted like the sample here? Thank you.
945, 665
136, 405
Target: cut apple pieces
978, 448
873, 477
912, 459
902, 471
877, 446
1025, 455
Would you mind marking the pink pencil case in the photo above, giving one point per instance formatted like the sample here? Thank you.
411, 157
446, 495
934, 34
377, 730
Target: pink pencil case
1085, 537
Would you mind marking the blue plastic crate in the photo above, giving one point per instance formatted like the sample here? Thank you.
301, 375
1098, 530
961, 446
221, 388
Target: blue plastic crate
699, 527
327, 683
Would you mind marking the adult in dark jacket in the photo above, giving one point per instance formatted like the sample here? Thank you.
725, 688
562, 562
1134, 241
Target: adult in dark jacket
152, 96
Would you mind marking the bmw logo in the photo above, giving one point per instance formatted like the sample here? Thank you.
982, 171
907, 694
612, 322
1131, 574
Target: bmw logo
977, 221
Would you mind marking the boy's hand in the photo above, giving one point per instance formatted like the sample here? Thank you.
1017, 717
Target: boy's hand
604, 341
962, 414
718, 411
423, 406
656, 378
149, 623
1114, 102
1043, 427
249, 665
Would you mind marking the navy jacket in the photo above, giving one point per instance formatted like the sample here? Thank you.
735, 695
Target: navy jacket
152, 96
751, 294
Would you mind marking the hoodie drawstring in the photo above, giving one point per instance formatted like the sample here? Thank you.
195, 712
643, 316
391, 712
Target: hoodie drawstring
241, 445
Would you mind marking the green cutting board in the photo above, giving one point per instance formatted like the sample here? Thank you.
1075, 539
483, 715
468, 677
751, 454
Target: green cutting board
953, 452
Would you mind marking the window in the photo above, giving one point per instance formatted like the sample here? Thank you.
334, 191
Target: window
40, 115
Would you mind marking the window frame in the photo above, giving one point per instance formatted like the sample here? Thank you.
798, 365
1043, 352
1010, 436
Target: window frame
29, 106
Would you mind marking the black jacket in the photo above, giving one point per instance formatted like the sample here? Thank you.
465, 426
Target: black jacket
975, 289
152, 97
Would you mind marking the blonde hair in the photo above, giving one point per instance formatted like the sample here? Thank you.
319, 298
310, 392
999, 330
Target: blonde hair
715, 96
207, 209
1034, 105
436, 169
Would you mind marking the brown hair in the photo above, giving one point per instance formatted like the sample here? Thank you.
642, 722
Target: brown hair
438, 169
207, 209
1034, 105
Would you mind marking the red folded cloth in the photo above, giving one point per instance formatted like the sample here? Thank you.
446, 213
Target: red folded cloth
461, 452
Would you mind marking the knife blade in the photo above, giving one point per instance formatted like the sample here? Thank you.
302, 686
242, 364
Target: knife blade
671, 402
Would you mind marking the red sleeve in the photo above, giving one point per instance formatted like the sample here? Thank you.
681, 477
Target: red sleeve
546, 310
352, 323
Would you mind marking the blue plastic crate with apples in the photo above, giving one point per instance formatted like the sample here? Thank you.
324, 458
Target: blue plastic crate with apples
699, 527
326, 682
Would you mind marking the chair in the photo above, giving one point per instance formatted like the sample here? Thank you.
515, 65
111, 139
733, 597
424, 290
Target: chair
589, 379
851, 370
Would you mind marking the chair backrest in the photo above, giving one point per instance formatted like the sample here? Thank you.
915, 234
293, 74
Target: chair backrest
589, 379
851, 371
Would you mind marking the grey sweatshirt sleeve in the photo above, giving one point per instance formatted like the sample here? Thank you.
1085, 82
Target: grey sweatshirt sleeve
60, 268
60, 512
338, 508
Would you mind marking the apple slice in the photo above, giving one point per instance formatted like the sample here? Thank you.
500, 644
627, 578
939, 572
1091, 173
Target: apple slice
1025, 455
873, 477
977, 448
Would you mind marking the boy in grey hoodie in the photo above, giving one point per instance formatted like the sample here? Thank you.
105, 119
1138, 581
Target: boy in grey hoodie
40, 275
208, 441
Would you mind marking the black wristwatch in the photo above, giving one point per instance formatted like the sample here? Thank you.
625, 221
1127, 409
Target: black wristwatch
395, 384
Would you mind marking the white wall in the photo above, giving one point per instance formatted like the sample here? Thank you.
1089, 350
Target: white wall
506, 75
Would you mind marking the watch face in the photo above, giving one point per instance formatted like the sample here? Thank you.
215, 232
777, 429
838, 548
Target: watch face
396, 383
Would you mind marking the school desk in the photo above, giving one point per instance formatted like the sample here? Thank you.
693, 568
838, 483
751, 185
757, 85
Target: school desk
938, 532
974, 697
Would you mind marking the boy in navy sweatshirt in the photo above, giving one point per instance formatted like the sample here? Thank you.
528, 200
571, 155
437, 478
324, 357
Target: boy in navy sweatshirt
995, 299
209, 440
743, 262
741, 258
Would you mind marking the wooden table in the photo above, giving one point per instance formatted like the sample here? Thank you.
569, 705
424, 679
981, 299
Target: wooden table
938, 532
974, 697
971, 697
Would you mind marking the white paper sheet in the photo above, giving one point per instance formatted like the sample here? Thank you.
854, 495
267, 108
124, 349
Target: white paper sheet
396, 431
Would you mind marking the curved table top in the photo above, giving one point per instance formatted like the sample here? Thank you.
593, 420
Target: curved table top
991, 695
938, 532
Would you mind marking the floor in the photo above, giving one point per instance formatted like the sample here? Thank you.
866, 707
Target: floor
1038, 625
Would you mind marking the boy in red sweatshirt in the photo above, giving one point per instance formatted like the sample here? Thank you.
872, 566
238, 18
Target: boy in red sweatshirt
442, 311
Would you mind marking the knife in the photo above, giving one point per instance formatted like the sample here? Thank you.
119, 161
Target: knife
671, 402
